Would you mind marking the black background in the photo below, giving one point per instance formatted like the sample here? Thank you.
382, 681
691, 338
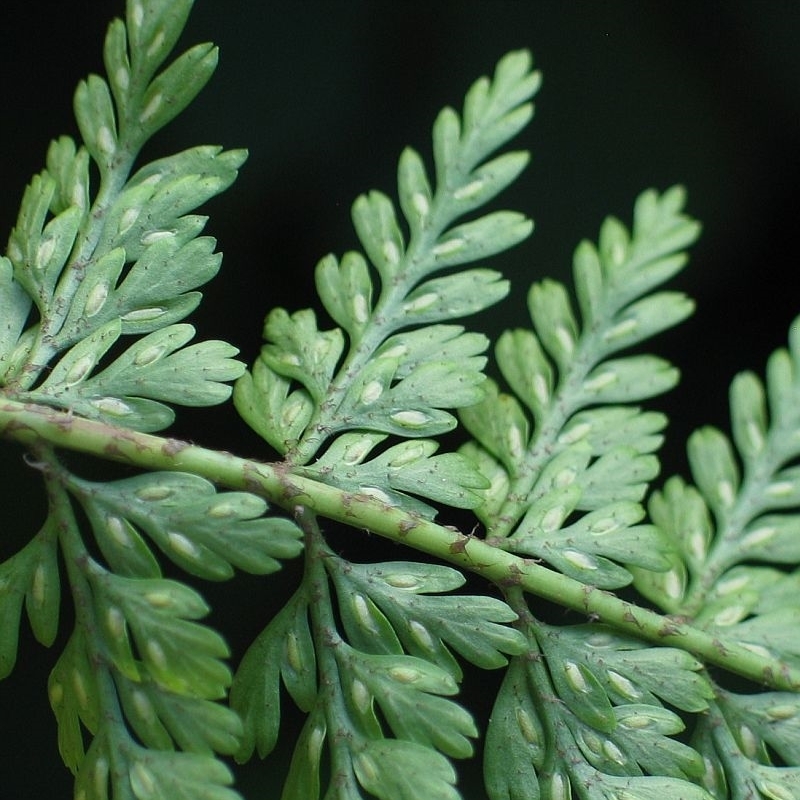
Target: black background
326, 94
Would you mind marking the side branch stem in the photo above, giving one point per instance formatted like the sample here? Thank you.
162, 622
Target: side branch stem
30, 424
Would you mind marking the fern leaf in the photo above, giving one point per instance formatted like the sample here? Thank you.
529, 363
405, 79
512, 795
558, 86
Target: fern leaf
39, 246
630, 671
156, 368
568, 439
162, 720
271, 406
176, 776
139, 663
386, 674
587, 549
514, 746
609, 734
31, 577
392, 768
408, 692
301, 352
130, 256
405, 390
283, 650
405, 469
148, 227
742, 509
74, 698
407, 597
15, 304
736, 755
202, 531
180, 654
303, 780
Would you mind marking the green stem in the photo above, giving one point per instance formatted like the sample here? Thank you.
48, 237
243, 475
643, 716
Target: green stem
30, 424
557, 739
341, 737
78, 565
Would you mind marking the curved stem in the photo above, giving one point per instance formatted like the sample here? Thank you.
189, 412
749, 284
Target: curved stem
30, 424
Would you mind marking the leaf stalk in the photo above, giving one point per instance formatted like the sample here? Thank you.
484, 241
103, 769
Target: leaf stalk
32, 424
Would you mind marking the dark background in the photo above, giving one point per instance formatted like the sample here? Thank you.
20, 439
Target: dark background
326, 94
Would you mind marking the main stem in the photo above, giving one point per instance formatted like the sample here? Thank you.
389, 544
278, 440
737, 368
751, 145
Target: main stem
30, 424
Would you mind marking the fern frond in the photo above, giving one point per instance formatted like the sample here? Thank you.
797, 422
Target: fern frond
386, 668
406, 597
583, 714
307, 388
204, 532
128, 259
140, 670
731, 535
30, 577
282, 653
744, 508
158, 367
400, 474
569, 439
736, 739
140, 677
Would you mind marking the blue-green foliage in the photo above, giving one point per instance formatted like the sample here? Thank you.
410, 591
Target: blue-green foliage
94, 287
732, 535
86, 269
386, 668
568, 439
396, 367
400, 368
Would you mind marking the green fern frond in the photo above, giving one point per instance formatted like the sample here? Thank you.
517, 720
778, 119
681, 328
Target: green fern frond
204, 532
584, 714
729, 535
628, 670
766, 720
282, 652
158, 367
568, 440
138, 669
623, 707
404, 601
743, 509
140, 678
735, 741
128, 259
30, 577
306, 388
386, 668
400, 474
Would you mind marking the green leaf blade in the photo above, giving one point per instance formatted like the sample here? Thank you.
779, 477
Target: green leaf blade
514, 748
94, 113
392, 769
174, 88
